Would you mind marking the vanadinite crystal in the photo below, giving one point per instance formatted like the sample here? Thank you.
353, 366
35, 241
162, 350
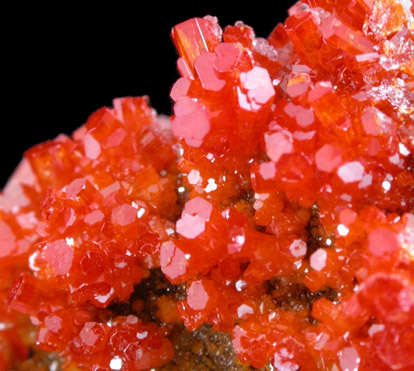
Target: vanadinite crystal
273, 212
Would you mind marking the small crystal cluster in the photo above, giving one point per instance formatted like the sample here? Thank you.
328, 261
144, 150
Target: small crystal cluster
280, 196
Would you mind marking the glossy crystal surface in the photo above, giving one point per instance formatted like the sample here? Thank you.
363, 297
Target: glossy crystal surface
280, 198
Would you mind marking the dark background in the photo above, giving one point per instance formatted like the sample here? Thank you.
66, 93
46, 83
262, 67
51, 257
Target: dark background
64, 63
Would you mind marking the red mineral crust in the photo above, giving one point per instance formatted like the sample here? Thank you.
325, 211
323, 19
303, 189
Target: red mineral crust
279, 201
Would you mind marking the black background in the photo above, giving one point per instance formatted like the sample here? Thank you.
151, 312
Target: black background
64, 63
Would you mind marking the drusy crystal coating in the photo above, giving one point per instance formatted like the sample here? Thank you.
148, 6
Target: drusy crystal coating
272, 215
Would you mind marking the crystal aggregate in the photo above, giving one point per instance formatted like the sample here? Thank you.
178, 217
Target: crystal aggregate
279, 196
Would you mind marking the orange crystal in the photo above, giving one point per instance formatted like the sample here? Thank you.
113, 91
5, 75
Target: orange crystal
280, 196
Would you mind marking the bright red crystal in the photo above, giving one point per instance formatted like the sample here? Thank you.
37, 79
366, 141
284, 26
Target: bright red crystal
281, 196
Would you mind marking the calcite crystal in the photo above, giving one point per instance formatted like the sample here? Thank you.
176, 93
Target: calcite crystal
275, 209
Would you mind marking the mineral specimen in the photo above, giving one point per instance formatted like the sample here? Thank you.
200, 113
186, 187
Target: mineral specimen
276, 207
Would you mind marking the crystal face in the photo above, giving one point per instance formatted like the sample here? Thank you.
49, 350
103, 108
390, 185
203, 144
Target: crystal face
275, 208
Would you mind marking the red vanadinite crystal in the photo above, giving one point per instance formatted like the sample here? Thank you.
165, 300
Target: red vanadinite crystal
281, 195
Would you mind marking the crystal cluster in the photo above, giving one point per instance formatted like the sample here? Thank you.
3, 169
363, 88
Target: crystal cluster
280, 197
